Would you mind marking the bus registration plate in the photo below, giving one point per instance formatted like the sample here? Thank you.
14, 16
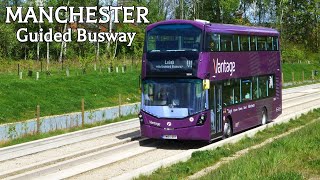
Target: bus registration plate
169, 137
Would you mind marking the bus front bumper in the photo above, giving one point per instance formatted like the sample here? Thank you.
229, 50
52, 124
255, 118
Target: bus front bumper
187, 133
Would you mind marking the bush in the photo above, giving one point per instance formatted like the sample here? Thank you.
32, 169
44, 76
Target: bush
298, 54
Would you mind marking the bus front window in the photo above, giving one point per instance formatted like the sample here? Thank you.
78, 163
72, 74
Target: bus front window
173, 98
174, 37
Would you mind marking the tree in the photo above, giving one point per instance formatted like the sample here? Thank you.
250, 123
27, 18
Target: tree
8, 41
300, 23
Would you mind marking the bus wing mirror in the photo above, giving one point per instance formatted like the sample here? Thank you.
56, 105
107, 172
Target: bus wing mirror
206, 84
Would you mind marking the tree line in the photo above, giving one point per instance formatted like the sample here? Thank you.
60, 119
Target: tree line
298, 21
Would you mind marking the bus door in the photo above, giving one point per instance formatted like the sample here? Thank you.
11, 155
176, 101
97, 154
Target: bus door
216, 111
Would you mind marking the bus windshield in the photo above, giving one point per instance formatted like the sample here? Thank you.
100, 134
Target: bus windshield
174, 37
175, 98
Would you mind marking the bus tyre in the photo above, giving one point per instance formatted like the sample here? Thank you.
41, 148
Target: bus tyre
264, 116
227, 129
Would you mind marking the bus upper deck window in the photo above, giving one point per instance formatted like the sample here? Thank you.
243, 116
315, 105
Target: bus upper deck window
244, 43
226, 42
213, 42
261, 43
269, 43
275, 44
253, 43
236, 43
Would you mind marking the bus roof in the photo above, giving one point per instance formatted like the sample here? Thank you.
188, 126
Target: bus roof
221, 28
177, 21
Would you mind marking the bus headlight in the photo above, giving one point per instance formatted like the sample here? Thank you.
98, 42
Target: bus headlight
140, 118
201, 120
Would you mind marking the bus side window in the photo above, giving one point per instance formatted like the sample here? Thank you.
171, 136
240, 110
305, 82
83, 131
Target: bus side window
253, 43
271, 85
275, 46
228, 93
246, 90
261, 41
244, 43
256, 89
236, 43
236, 90
269, 43
226, 42
213, 42
263, 84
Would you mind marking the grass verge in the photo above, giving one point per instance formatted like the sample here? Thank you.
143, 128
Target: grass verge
58, 94
298, 70
33, 137
203, 159
292, 157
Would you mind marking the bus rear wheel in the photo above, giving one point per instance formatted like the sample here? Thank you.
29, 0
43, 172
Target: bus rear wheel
264, 116
227, 129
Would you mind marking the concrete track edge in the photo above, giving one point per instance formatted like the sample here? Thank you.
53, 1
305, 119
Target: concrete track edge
149, 169
57, 138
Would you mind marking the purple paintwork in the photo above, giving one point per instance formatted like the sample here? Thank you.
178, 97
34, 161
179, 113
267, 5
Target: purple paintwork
246, 115
183, 128
237, 29
176, 21
246, 64
220, 28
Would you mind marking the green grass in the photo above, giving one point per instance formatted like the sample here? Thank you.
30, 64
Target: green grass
58, 94
292, 157
203, 159
298, 70
33, 137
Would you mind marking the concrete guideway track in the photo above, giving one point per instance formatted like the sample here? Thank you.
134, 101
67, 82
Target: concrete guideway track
111, 150
89, 161
66, 139
62, 154
299, 108
292, 108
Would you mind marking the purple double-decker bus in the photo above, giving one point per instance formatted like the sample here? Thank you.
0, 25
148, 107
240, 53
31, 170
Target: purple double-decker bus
202, 81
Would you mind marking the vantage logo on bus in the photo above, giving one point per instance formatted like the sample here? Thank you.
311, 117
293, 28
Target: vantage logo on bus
224, 67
